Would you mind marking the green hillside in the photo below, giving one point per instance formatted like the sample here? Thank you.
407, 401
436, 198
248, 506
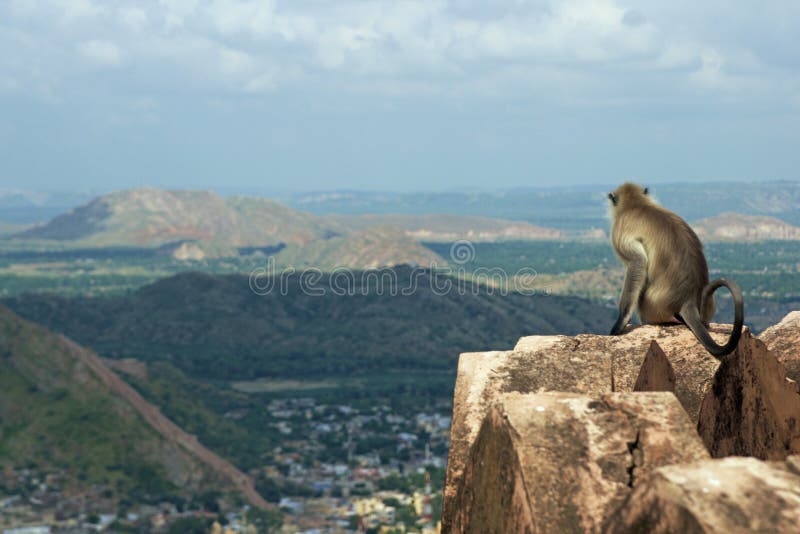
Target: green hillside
56, 415
217, 327
199, 408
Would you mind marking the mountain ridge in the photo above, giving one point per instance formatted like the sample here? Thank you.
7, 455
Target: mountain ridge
58, 370
156, 217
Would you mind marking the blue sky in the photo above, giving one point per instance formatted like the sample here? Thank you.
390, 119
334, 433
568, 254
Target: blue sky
310, 94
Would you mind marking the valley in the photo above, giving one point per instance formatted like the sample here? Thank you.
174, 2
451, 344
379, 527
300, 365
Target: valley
317, 356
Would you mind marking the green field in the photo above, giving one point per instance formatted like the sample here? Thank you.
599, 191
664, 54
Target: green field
117, 270
768, 272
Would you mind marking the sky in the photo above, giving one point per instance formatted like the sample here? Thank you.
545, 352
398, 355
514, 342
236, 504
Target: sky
396, 94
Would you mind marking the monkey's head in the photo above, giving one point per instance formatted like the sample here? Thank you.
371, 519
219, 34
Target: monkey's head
628, 195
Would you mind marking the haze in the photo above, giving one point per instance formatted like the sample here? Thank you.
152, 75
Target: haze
395, 95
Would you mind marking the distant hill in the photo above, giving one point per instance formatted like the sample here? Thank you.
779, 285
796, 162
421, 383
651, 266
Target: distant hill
447, 228
574, 209
23, 206
62, 409
372, 248
735, 226
217, 327
11, 228
155, 217
195, 225
568, 208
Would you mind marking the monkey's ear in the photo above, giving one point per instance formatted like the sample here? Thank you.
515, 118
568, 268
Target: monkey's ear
612, 198
646, 190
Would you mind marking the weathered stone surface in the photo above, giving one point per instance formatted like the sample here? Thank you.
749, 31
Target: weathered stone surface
744, 407
656, 373
561, 462
587, 364
752, 409
524, 460
783, 340
484, 375
714, 496
692, 365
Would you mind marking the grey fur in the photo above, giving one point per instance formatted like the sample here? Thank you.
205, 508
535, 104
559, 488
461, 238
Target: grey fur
666, 273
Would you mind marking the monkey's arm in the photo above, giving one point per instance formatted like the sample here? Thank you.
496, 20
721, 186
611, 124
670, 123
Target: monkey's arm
635, 278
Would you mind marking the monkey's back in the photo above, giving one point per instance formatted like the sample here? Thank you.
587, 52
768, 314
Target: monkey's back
676, 267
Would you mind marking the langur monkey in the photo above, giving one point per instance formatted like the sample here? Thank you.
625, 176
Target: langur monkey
666, 275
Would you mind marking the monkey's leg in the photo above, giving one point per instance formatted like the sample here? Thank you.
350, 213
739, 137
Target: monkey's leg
635, 278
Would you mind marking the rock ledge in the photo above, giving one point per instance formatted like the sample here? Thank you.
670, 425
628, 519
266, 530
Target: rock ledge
618, 434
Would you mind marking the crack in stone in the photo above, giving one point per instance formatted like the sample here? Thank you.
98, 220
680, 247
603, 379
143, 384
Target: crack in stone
634, 451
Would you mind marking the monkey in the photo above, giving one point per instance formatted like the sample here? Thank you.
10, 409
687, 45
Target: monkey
666, 275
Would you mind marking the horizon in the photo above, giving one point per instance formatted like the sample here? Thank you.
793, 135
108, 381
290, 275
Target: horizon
392, 96
28, 206
255, 190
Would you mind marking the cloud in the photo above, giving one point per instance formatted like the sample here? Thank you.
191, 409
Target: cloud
710, 74
103, 53
74, 10
431, 47
632, 17
133, 18
261, 83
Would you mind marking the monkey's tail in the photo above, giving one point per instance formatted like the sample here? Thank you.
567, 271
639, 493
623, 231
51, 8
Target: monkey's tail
691, 315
